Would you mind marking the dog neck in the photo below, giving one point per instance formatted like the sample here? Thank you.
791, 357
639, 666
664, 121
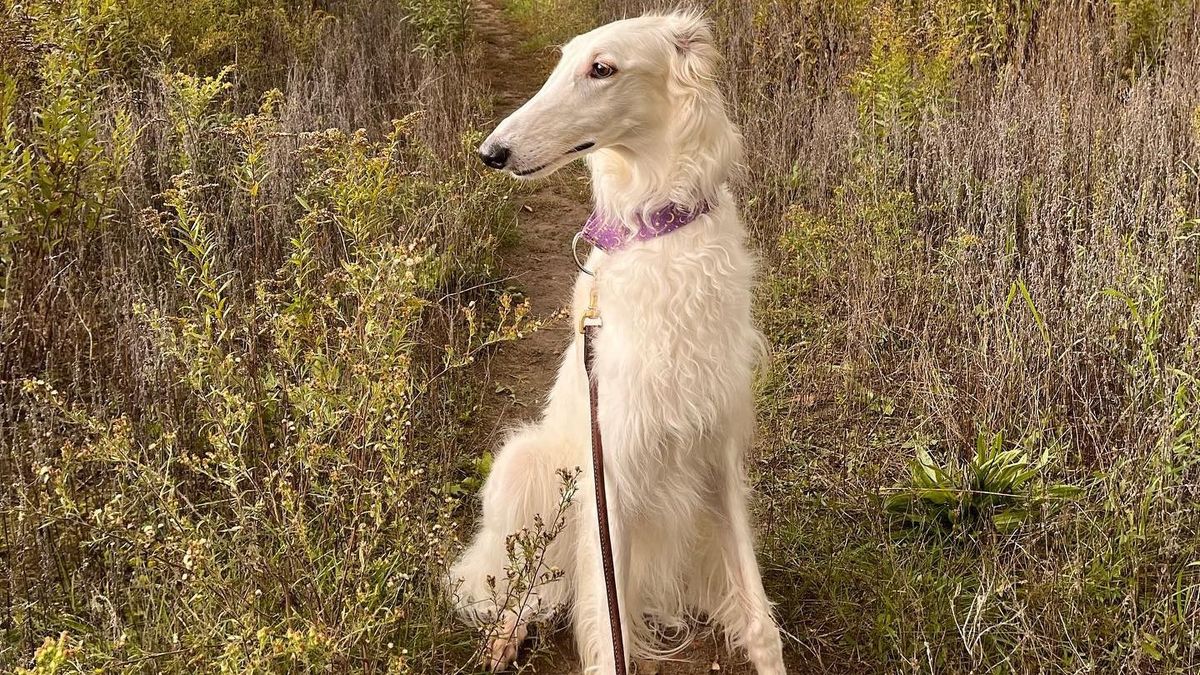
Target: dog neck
685, 165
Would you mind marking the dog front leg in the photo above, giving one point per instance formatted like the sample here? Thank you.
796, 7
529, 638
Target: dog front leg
745, 609
593, 634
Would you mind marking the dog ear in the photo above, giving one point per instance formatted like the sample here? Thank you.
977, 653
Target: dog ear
696, 50
692, 33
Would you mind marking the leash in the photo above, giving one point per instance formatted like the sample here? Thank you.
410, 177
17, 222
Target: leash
589, 326
608, 235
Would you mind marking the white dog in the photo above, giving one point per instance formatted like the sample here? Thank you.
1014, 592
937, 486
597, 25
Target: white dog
674, 359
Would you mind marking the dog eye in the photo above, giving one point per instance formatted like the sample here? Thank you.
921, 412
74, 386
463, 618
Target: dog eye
601, 71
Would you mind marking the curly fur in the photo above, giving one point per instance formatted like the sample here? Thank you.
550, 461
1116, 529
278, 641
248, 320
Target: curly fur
674, 359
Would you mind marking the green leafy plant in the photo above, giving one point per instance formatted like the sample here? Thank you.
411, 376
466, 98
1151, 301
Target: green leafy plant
902, 77
441, 24
998, 487
50, 658
1141, 27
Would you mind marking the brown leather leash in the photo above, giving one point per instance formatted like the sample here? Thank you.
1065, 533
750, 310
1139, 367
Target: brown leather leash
589, 326
607, 234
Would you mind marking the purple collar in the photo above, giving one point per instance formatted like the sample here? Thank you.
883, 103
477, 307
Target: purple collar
609, 235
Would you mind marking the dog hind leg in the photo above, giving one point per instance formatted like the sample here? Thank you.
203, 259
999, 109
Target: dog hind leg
524, 483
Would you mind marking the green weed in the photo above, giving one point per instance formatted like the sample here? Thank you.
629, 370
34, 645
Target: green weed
1000, 487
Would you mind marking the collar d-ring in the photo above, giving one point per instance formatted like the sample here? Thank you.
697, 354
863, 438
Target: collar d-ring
575, 254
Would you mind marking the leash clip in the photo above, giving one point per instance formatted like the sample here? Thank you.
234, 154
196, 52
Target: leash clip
591, 317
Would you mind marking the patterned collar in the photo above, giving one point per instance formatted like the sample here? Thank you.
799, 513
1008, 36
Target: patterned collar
609, 235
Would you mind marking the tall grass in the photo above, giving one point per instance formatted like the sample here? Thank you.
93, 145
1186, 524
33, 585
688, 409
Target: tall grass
236, 243
979, 219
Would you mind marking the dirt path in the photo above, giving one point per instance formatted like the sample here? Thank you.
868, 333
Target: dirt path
540, 266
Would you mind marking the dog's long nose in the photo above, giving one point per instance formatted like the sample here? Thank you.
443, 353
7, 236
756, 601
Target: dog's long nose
495, 156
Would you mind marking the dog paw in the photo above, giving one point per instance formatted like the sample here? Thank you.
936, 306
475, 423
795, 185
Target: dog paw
504, 642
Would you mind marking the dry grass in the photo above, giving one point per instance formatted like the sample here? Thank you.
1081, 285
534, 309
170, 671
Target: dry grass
233, 341
979, 216
235, 325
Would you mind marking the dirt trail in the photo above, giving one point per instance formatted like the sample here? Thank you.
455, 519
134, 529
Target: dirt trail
542, 268
540, 265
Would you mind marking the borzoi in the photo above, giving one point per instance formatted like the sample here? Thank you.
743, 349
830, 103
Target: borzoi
673, 360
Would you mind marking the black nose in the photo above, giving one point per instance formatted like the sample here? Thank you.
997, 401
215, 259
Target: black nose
495, 156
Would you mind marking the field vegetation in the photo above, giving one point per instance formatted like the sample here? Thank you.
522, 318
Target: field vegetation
980, 222
247, 263
244, 255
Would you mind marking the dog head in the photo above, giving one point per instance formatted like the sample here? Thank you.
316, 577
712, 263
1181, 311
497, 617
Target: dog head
637, 85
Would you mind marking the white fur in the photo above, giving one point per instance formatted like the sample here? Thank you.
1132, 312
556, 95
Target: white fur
674, 361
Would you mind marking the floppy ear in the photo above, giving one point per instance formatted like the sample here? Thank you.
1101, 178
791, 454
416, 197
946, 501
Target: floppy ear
691, 30
697, 56
709, 145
